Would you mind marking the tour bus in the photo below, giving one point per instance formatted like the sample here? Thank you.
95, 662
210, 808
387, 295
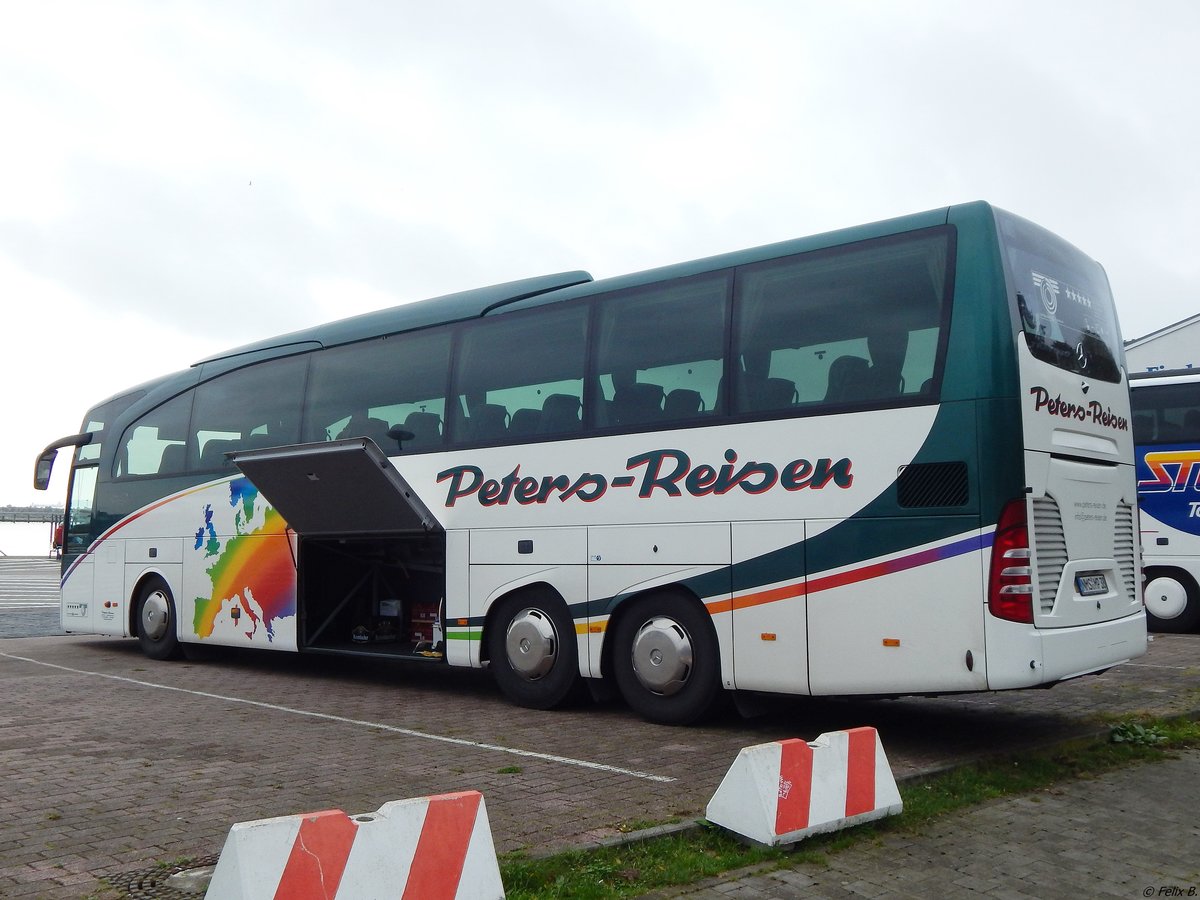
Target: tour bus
1166, 434
889, 460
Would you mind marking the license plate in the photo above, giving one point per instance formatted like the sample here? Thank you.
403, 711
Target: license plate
1090, 585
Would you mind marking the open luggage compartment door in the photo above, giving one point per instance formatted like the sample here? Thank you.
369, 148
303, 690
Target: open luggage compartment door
343, 488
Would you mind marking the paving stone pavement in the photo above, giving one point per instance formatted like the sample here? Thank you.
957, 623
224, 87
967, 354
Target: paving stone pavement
28, 597
1125, 834
112, 764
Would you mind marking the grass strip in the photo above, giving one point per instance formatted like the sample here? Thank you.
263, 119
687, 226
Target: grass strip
632, 869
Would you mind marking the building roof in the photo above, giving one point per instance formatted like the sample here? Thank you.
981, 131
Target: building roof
1154, 335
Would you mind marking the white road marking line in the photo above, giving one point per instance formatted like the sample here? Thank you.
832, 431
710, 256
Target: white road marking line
407, 732
1152, 666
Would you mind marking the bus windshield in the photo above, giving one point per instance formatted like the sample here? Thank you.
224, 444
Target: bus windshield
1063, 301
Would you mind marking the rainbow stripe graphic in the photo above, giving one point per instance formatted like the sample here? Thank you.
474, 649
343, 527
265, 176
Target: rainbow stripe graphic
817, 583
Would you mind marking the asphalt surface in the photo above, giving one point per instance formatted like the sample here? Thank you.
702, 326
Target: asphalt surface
114, 767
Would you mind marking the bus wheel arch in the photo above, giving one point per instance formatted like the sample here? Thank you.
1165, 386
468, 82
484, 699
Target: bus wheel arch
155, 619
529, 639
1172, 600
665, 657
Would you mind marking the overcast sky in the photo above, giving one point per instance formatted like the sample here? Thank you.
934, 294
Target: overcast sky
177, 178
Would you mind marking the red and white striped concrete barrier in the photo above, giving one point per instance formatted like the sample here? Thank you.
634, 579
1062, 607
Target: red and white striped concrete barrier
428, 848
781, 792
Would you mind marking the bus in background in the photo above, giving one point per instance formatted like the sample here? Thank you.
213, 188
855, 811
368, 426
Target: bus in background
893, 459
1166, 432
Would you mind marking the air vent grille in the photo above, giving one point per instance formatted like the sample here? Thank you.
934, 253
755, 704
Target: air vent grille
925, 485
1051, 544
1123, 549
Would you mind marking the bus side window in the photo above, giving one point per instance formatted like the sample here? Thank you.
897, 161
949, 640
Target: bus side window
660, 351
154, 444
255, 406
1191, 425
1143, 428
854, 325
523, 369
381, 389
1166, 413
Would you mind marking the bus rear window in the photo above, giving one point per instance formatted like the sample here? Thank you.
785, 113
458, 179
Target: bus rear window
1063, 301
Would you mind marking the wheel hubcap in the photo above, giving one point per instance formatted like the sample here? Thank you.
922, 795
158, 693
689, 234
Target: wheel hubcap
531, 644
1166, 598
662, 656
155, 616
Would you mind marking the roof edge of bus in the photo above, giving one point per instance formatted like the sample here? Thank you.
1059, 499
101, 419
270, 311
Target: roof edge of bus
1187, 374
836, 237
143, 388
276, 346
446, 308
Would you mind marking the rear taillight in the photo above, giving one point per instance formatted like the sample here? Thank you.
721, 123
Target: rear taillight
1010, 583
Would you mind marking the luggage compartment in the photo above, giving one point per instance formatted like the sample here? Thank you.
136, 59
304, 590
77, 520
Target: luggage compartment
371, 557
376, 595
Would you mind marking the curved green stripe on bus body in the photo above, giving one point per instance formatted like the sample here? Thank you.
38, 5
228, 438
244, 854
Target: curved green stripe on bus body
883, 527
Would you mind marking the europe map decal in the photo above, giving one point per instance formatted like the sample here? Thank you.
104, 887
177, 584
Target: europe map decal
248, 559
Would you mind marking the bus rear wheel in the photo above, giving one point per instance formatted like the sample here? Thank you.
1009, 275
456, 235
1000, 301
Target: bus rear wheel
1172, 601
156, 621
532, 649
666, 660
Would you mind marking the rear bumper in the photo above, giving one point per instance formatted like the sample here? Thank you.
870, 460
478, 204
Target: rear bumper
1021, 656
1069, 652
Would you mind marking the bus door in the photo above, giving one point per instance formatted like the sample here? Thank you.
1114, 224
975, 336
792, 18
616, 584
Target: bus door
770, 628
78, 608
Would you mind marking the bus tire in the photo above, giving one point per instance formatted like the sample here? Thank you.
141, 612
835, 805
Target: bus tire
1172, 601
156, 624
666, 659
532, 649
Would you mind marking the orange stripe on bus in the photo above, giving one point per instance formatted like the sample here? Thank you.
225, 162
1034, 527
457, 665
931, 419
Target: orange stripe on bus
825, 583
746, 601
786, 592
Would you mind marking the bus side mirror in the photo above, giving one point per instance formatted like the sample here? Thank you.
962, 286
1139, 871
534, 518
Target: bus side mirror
41, 472
45, 462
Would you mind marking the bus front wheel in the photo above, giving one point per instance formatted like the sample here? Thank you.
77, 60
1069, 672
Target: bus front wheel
1172, 601
156, 620
666, 659
532, 649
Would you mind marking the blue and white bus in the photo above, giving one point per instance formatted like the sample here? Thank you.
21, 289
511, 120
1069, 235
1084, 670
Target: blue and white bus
1166, 431
894, 459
